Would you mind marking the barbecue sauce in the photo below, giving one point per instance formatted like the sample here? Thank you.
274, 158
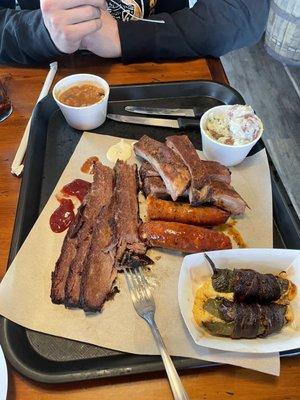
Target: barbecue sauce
78, 188
62, 217
87, 166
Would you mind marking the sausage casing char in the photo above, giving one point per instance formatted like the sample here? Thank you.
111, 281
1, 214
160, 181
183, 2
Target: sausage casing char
182, 237
164, 210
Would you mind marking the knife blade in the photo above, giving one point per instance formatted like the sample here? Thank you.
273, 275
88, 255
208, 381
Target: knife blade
194, 112
180, 123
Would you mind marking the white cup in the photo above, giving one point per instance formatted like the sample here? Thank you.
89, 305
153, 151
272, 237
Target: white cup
88, 117
228, 155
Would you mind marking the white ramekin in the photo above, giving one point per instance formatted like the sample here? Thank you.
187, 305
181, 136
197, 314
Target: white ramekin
83, 118
228, 155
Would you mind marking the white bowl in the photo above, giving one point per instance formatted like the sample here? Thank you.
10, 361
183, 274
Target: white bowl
195, 270
83, 118
228, 155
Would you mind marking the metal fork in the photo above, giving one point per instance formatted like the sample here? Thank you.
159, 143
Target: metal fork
145, 307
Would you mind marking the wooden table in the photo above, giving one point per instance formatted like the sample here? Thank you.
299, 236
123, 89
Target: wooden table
208, 384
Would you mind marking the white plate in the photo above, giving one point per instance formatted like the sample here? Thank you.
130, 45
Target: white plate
195, 270
3, 376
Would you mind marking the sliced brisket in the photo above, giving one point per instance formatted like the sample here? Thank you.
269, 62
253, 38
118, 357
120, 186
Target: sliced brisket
98, 197
99, 272
127, 209
73, 240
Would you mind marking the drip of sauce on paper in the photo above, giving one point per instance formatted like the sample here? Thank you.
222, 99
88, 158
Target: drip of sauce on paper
62, 217
119, 151
87, 166
78, 188
231, 230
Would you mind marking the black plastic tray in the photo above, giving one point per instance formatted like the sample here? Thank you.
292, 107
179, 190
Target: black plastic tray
51, 359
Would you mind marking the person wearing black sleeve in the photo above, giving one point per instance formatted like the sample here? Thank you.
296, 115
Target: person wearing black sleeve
210, 27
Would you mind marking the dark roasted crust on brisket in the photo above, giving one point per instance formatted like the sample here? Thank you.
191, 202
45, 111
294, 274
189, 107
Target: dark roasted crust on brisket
169, 165
99, 272
127, 210
68, 252
60, 274
96, 199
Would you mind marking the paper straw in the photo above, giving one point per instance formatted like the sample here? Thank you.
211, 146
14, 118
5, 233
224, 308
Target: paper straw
17, 166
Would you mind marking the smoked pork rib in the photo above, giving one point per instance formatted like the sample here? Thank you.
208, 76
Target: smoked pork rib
169, 165
224, 196
204, 189
99, 272
98, 197
76, 233
127, 209
152, 184
147, 171
216, 171
200, 178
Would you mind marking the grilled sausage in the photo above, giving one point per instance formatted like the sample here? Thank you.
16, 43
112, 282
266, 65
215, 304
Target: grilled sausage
182, 237
163, 210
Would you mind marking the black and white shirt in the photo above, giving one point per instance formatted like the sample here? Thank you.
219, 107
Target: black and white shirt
124, 10
210, 27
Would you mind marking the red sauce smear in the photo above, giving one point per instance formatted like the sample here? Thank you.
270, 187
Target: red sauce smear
87, 166
78, 188
62, 217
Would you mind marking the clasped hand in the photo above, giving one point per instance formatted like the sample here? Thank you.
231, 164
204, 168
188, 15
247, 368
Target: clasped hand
74, 26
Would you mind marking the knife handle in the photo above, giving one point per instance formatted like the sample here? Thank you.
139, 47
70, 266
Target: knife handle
188, 123
200, 111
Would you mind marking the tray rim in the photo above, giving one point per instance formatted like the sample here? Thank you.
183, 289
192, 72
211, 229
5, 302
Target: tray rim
147, 366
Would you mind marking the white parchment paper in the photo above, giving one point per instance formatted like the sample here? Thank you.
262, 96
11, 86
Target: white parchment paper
25, 289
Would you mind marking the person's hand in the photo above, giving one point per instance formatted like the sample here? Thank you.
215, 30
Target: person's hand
68, 21
105, 42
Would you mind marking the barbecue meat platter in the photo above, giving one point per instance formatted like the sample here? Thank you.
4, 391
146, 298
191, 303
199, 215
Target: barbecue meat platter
187, 200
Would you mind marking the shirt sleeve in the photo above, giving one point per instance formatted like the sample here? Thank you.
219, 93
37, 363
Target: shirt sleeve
209, 28
24, 38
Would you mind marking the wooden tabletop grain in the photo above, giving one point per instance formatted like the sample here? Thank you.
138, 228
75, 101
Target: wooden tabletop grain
208, 384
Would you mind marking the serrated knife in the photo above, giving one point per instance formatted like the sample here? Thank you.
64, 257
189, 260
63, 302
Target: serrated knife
179, 123
194, 112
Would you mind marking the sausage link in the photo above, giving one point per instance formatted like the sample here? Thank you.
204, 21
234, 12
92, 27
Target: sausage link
182, 237
163, 210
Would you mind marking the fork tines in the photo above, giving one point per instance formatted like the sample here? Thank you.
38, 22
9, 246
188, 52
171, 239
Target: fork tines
139, 290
